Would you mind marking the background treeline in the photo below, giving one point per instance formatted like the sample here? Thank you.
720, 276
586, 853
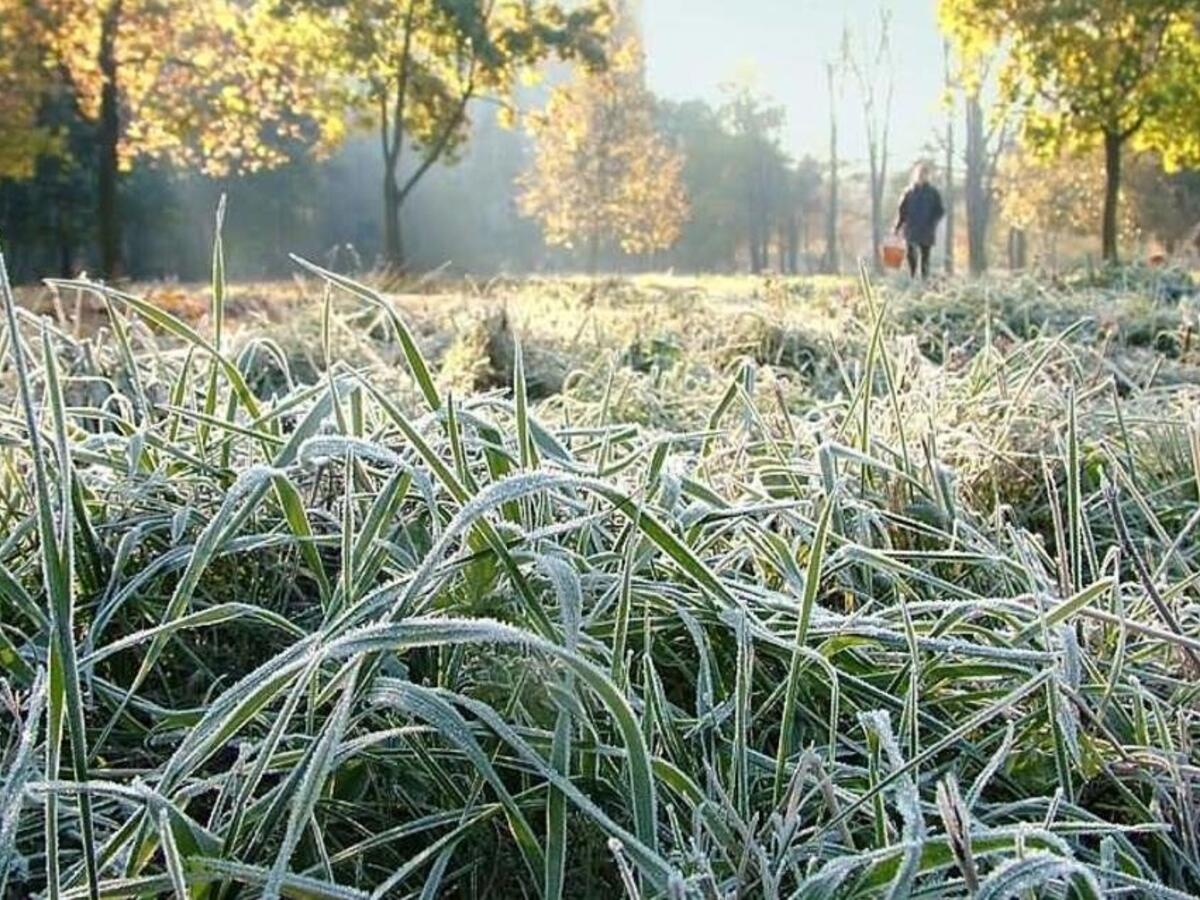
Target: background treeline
745, 197
494, 138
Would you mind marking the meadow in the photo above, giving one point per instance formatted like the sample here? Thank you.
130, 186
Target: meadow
670, 587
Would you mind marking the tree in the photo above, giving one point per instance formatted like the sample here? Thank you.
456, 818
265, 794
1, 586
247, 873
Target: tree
985, 142
801, 200
1055, 198
195, 84
710, 235
1165, 204
411, 69
601, 172
754, 122
871, 64
987, 136
948, 189
1100, 73
832, 262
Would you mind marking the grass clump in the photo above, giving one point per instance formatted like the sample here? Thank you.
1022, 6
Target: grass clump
934, 633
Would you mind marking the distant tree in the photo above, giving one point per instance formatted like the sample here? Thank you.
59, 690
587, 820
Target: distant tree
948, 189
1055, 198
832, 261
710, 235
754, 121
411, 68
1165, 204
1101, 73
869, 59
601, 171
801, 204
988, 124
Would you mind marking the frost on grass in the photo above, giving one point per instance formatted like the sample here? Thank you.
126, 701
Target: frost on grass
359, 638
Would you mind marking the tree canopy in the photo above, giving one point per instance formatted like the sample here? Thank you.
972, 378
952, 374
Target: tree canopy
602, 172
410, 69
23, 138
213, 87
1094, 73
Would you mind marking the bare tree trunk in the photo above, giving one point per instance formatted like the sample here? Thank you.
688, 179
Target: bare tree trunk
1112, 193
806, 242
978, 209
1016, 249
949, 187
832, 262
793, 244
392, 140
108, 136
755, 252
753, 223
393, 239
764, 209
876, 206
873, 67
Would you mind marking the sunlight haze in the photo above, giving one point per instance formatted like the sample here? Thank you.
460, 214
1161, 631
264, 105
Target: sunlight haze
693, 46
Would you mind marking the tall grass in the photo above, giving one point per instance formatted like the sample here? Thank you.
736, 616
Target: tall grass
931, 633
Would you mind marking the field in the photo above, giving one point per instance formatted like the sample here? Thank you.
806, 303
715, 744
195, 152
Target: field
679, 587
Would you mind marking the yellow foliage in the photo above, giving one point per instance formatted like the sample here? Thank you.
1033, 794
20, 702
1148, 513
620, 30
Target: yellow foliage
212, 85
1125, 67
1056, 196
601, 170
22, 81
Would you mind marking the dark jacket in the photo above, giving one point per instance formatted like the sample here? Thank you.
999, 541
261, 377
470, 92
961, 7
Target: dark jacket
920, 211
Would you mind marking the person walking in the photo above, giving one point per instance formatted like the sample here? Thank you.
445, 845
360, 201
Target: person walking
920, 212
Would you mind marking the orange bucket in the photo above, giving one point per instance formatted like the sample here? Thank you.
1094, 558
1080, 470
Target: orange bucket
893, 252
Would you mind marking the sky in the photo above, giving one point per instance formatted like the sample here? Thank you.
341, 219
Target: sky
693, 46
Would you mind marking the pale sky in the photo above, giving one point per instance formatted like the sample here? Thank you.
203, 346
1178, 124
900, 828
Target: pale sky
692, 46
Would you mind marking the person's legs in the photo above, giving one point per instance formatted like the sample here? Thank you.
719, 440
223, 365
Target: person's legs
926, 249
912, 259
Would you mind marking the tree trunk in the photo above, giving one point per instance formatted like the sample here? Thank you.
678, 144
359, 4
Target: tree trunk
755, 258
978, 203
764, 210
793, 245
66, 256
392, 142
393, 240
108, 135
832, 262
877, 158
949, 167
1016, 249
61, 218
593, 255
876, 207
1112, 193
593, 267
805, 244
752, 229
950, 200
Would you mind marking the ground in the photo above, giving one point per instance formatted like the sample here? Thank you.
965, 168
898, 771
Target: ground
786, 587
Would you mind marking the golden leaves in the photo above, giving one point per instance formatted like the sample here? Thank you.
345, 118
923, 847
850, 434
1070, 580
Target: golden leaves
601, 171
23, 79
1130, 67
222, 86
1056, 195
